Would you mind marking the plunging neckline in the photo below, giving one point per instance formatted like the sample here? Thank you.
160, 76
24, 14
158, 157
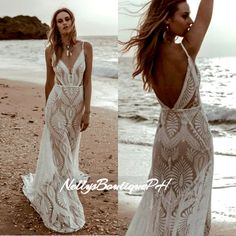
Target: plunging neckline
72, 68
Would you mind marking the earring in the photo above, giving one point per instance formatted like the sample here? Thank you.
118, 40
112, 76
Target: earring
165, 32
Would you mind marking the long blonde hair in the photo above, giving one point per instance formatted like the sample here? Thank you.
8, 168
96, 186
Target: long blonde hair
54, 37
149, 37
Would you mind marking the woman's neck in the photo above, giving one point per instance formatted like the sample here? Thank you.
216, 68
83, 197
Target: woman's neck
65, 40
169, 37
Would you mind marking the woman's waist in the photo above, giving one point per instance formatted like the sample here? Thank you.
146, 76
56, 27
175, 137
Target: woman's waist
181, 110
69, 91
67, 85
182, 115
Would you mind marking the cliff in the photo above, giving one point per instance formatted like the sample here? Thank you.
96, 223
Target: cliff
22, 27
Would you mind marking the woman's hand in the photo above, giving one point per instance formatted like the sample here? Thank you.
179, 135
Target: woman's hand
84, 121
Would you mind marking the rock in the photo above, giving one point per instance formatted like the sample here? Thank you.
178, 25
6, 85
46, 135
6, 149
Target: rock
4, 85
12, 115
17, 128
22, 27
31, 121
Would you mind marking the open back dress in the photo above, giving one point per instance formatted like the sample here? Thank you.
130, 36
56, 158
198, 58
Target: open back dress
182, 153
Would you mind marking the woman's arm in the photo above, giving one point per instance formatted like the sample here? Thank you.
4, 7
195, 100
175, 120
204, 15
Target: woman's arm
87, 83
50, 73
193, 39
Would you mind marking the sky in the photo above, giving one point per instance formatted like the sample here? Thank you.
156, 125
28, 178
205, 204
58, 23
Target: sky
221, 36
93, 17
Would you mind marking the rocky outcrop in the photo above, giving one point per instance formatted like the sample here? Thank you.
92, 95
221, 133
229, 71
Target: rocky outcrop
22, 27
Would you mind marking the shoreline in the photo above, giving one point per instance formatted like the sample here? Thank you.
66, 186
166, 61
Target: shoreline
21, 128
102, 96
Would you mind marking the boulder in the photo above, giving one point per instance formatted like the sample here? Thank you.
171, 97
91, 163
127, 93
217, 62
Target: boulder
22, 27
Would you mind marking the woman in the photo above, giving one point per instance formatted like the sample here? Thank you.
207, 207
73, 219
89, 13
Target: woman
183, 150
68, 95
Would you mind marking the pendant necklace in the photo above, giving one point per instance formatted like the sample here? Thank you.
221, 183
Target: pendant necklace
69, 50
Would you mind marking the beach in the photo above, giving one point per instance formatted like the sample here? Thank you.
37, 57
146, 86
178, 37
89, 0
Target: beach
20, 131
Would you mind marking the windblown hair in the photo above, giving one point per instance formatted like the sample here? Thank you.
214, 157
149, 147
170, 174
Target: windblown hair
54, 36
149, 36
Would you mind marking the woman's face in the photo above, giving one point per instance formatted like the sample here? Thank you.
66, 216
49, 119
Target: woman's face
64, 22
180, 23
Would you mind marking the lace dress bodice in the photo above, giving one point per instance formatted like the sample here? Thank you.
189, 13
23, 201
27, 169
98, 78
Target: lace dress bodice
74, 77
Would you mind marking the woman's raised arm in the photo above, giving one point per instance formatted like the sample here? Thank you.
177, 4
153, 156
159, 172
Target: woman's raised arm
194, 38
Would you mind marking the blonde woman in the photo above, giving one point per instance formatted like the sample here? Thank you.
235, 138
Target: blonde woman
183, 149
67, 111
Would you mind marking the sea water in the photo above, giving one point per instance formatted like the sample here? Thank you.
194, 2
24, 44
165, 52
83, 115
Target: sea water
25, 60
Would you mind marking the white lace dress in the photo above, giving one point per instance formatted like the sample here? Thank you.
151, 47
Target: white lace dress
183, 152
59, 149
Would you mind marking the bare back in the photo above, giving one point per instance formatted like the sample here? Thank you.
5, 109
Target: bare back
171, 67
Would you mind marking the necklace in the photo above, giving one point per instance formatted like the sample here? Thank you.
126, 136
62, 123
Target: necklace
69, 50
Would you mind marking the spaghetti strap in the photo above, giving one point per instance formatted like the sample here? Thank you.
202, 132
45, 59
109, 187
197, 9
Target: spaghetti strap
82, 45
192, 66
186, 52
54, 57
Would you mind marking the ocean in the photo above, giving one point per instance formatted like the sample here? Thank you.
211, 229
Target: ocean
24, 60
138, 117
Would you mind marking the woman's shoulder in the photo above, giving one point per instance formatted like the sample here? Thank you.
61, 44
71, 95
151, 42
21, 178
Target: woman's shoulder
87, 46
49, 50
84, 43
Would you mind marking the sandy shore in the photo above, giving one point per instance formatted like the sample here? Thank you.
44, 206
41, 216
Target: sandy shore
20, 131
218, 228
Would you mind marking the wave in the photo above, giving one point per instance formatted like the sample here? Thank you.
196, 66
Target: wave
215, 115
222, 115
135, 142
225, 154
137, 118
105, 72
149, 144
